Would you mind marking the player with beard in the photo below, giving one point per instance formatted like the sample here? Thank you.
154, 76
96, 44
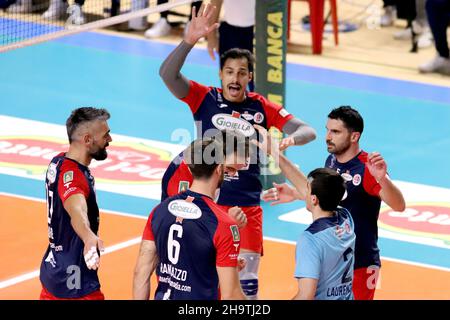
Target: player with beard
69, 267
367, 184
191, 242
232, 107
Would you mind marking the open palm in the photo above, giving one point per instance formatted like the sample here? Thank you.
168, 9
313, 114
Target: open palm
200, 25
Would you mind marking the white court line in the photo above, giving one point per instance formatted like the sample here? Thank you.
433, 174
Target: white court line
119, 246
34, 274
117, 213
416, 264
110, 249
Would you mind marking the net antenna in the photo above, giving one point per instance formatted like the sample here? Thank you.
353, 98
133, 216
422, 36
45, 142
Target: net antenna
22, 26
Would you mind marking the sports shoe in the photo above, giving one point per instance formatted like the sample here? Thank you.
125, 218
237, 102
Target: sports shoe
56, 10
389, 16
437, 64
160, 29
76, 15
404, 34
425, 40
21, 6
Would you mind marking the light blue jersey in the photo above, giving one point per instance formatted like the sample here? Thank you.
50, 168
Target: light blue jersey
325, 252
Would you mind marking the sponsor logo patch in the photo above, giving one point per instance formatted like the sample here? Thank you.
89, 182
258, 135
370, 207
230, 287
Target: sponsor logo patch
225, 121
357, 179
51, 173
235, 233
184, 209
183, 186
284, 113
68, 176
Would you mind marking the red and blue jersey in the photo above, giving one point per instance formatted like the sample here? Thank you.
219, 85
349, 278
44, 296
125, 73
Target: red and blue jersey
193, 237
177, 178
363, 201
212, 112
63, 270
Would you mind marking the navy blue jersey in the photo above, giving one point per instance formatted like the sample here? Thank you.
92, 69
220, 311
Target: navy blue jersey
193, 236
177, 178
363, 202
63, 270
325, 252
212, 112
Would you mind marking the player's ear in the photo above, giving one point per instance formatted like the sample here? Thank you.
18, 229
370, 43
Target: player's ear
355, 136
250, 75
314, 200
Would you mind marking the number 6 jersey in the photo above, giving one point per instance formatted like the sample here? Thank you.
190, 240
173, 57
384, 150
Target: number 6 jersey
193, 236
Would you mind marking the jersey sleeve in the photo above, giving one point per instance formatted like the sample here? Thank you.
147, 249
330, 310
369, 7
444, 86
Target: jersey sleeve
307, 258
180, 180
227, 243
370, 184
148, 232
197, 93
277, 116
71, 181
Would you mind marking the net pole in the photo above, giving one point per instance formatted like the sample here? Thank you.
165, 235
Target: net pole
270, 72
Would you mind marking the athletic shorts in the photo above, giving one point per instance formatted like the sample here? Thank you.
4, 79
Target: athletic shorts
96, 295
365, 282
251, 234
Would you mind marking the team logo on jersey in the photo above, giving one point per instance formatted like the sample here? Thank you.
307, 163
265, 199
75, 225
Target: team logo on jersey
68, 177
357, 179
128, 162
235, 233
183, 186
427, 219
258, 117
283, 112
346, 176
223, 105
225, 121
184, 209
51, 173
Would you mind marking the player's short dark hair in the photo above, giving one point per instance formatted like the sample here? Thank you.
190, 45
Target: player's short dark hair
83, 115
349, 116
205, 154
328, 186
237, 53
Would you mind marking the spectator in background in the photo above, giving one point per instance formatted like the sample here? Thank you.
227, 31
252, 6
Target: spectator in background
413, 10
160, 28
438, 12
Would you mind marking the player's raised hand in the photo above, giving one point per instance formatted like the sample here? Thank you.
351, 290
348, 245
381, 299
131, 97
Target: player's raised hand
238, 215
280, 193
377, 166
200, 25
91, 255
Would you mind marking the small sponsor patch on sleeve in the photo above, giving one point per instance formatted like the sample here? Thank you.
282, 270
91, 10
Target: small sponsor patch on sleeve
235, 233
283, 112
68, 176
183, 186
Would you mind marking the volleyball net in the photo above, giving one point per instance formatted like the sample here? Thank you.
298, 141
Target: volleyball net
28, 22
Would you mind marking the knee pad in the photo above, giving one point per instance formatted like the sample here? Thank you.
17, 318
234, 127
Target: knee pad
249, 274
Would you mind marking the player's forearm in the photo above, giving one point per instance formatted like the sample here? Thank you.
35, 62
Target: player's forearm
81, 226
294, 175
141, 284
170, 70
300, 131
216, 14
391, 194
